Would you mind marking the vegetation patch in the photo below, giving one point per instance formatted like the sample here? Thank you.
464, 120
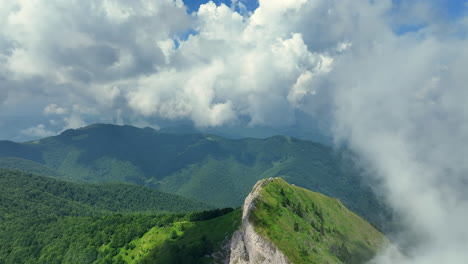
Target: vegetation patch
207, 168
44, 220
310, 227
183, 242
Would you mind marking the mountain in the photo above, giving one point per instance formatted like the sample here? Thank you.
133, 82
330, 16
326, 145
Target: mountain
282, 223
44, 220
203, 167
305, 127
279, 223
41, 196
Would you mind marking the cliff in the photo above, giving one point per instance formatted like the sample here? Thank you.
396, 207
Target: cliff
283, 223
249, 247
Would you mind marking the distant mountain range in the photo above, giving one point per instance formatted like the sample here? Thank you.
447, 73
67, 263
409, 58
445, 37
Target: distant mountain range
208, 168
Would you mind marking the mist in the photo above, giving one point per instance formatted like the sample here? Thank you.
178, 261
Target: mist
404, 112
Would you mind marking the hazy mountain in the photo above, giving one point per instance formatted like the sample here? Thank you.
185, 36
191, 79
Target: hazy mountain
203, 167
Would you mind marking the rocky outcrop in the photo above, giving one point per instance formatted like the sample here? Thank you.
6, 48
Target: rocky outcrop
248, 247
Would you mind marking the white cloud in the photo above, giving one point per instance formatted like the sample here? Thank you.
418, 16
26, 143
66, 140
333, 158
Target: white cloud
213, 77
39, 131
73, 121
54, 109
302, 88
230, 69
400, 104
74, 50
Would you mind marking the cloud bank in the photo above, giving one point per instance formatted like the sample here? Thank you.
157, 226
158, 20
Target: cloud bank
403, 111
132, 62
391, 78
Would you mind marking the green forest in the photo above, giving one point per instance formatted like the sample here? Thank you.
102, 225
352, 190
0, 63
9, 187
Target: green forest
44, 220
120, 194
207, 168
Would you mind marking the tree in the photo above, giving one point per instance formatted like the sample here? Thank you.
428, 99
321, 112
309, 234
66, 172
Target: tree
296, 227
173, 234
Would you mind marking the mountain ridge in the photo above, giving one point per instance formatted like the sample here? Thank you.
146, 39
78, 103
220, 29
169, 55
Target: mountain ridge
283, 224
45, 220
204, 167
247, 246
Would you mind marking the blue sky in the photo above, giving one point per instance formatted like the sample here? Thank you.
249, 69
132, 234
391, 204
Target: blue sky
455, 8
448, 10
451, 8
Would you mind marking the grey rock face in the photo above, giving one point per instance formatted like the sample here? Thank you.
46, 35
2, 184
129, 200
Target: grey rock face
248, 247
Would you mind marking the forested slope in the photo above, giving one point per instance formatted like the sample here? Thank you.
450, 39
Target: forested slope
207, 168
44, 220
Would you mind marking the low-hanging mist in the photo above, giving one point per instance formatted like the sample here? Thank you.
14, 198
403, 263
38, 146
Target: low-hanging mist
390, 75
400, 105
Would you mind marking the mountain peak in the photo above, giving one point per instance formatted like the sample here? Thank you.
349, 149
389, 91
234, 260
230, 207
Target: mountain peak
283, 223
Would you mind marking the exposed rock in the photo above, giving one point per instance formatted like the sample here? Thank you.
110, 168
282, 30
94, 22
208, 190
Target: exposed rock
248, 247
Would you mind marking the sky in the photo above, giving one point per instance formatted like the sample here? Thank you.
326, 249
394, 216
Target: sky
66, 65
388, 78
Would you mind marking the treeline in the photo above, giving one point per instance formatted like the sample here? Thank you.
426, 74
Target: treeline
27, 166
42, 196
72, 239
43, 220
95, 239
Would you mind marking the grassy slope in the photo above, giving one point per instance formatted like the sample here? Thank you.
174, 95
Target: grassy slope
183, 242
312, 228
208, 168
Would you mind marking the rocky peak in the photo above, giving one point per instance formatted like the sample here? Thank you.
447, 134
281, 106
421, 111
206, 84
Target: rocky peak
247, 246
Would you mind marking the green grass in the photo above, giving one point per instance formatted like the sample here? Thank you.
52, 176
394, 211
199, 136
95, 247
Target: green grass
309, 227
139, 248
183, 242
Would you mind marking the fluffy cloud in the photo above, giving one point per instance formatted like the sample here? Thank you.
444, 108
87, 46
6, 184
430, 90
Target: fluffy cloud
38, 131
404, 112
133, 59
234, 67
399, 102
56, 52
54, 109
